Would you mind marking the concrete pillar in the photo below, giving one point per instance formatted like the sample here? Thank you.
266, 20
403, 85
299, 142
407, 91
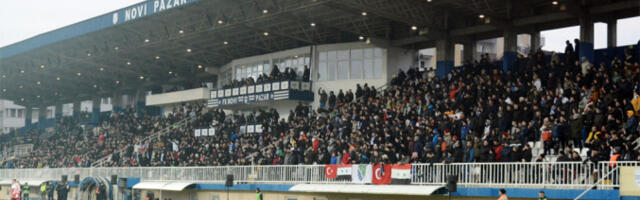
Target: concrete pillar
140, 99
42, 116
510, 48
76, 109
444, 57
58, 110
28, 115
585, 48
95, 110
535, 40
116, 102
612, 33
470, 51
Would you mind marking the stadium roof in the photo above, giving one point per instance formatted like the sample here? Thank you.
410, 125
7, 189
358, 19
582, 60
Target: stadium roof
172, 41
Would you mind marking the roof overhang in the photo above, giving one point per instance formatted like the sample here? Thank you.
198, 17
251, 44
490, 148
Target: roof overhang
419, 190
163, 185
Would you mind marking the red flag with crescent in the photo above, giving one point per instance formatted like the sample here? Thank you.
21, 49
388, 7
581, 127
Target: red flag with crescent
330, 171
381, 174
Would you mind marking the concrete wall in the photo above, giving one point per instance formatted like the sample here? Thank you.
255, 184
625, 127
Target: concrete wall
178, 97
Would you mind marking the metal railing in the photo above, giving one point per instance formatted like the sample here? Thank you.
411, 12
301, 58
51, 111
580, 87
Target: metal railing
567, 175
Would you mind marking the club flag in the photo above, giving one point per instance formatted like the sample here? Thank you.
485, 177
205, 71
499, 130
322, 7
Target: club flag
401, 174
381, 174
330, 171
362, 174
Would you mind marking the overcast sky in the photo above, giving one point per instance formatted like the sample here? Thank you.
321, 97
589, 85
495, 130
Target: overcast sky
20, 20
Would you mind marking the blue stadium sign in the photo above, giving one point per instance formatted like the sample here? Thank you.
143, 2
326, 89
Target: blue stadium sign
146, 8
128, 14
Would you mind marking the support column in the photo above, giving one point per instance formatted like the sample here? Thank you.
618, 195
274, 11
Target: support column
116, 102
470, 51
28, 115
586, 38
444, 57
58, 110
510, 48
140, 98
612, 33
95, 110
42, 116
535, 41
76, 109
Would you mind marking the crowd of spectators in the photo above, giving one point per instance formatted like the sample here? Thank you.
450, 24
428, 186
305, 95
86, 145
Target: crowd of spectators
275, 75
477, 113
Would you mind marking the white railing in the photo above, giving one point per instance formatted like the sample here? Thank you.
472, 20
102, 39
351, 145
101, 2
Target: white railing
568, 175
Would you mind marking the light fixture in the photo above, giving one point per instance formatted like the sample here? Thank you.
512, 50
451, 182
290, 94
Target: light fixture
21, 99
101, 68
225, 42
170, 72
429, 1
57, 78
487, 20
265, 33
414, 28
55, 93
199, 66
368, 41
117, 82
481, 16
220, 22
188, 50
361, 37
88, 54
22, 71
313, 24
79, 74
265, 11
296, 56
128, 63
116, 48
21, 86
4, 76
95, 86
141, 77
157, 57
555, 3
41, 66
364, 13
146, 40
38, 96
181, 31
4, 89
38, 82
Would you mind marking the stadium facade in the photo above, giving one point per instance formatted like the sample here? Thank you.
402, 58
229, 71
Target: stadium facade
158, 55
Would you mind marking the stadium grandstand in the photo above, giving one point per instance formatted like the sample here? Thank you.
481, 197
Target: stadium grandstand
324, 100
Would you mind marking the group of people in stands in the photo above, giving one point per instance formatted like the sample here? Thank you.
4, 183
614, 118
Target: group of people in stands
275, 75
477, 113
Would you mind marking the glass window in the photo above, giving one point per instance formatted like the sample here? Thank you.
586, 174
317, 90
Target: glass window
343, 55
368, 69
331, 72
343, 70
20, 111
368, 53
356, 69
322, 71
377, 68
356, 54
322, 56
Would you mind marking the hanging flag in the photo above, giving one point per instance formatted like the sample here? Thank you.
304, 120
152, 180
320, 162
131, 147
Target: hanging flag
330, 171
361, 174
381, 174
401, 174
344, 172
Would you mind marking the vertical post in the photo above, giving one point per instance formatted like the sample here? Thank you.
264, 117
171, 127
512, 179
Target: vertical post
470, 51
535, 41
42, 116
612, 33
510, 48
586, 37
444, 57
116, 102
95, 110
76, 109
28, 111
58, 111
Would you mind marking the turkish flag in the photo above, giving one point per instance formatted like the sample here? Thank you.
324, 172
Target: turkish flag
381, 174
330, 171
